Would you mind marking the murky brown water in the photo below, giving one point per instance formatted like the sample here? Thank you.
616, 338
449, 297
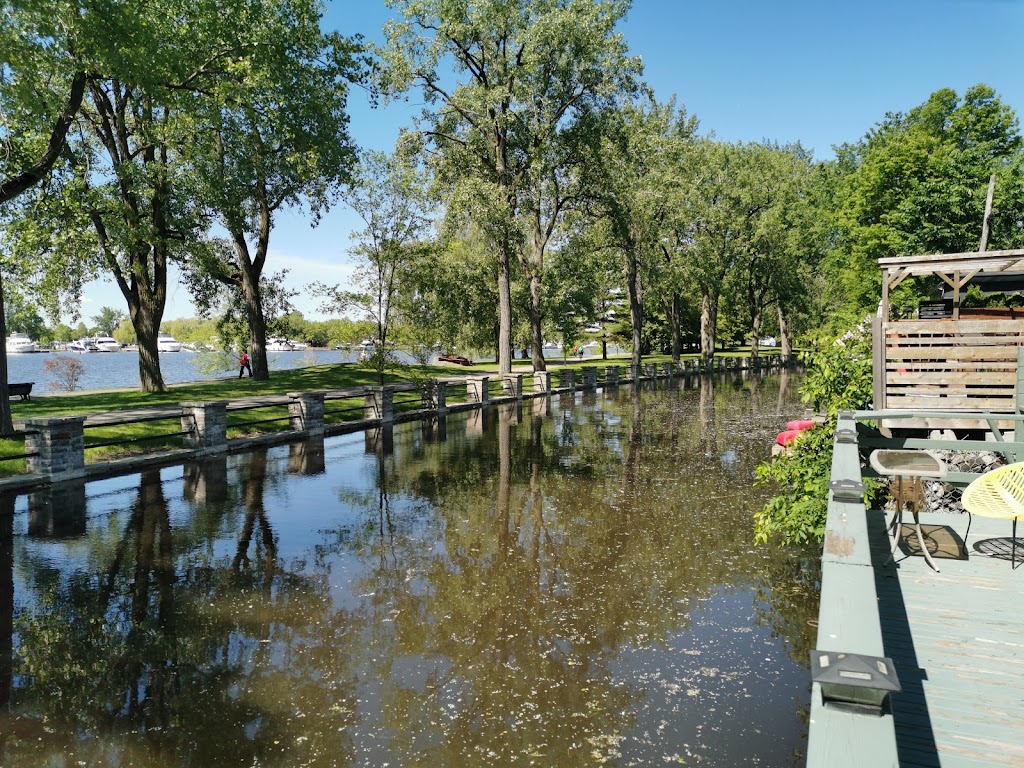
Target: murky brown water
566, 584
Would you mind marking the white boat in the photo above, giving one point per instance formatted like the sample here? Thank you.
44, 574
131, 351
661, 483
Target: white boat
276, 344
20, 343
106, 343
298, 345
167, 343
83, 346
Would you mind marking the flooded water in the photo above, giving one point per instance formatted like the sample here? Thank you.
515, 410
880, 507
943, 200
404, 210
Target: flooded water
569, 583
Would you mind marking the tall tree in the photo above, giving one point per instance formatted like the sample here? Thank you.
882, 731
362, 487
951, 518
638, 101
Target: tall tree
523, 69
108, 319
635, 170
390, 197
275, 137
916, 183
41, 91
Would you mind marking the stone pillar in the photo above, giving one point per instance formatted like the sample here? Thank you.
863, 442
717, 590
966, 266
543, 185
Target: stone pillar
542, 381
668, 369
476, 389
567, 379
589, 377
435, 396
206, 425
636, 373
512, 383
306, 412
59, 445
650, 371
611, 376
378, 403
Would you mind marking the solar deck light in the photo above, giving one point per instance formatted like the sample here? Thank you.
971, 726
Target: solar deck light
846, 435
847, 490
854, 682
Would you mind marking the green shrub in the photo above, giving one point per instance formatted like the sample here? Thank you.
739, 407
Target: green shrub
838, 377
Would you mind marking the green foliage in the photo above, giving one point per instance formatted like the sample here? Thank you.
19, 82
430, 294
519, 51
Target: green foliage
797, 513
838, 377
917, 184
107, 319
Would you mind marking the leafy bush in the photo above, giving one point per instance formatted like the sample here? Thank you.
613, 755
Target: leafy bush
838, 377
67, 372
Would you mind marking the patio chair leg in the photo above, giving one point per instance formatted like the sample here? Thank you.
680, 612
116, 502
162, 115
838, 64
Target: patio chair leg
920, 540
1013, 547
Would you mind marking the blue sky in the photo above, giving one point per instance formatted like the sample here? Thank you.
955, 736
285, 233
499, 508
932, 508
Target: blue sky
821, 73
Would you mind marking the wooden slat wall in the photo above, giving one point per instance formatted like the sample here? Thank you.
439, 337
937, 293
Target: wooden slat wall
953, 364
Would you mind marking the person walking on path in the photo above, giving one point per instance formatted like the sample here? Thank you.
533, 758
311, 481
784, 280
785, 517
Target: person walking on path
244, 364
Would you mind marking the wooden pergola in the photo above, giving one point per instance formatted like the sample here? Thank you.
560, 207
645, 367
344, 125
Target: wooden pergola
955, 361
955, 269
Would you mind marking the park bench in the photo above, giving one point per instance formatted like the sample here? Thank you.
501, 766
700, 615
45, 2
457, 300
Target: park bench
24, 390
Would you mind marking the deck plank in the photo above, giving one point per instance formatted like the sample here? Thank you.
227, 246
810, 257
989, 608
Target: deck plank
957, 639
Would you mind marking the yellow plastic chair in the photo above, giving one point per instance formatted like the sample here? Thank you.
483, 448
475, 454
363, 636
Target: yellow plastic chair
999, 493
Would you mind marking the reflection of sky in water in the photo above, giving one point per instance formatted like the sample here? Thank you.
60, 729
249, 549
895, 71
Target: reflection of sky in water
554, 589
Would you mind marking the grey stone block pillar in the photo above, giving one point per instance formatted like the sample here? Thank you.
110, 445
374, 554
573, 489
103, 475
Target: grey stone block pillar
542, 381
306, 412
589, 377
512, 384
205, 425
476, 389
668, 369
636, 372
435, 396
379, 403
59, 445
611, 376
567, 379
651, 371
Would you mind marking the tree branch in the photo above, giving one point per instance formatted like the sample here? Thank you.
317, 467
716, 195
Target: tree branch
28, 178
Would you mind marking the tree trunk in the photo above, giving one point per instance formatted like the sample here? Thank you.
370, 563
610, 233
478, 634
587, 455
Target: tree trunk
755, 335
536, 320
147, 326
784, 340
636, 313
6, 422
675, 312
504, 308
257, 322
708, 325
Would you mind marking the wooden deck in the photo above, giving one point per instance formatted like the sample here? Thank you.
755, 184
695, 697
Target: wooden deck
957, 639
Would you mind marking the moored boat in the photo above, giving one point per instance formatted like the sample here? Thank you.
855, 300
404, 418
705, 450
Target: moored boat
20, 343
167, 343
277, 344
106, 343
83, 346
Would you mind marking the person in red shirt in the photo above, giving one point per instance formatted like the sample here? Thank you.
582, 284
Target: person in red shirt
243, 361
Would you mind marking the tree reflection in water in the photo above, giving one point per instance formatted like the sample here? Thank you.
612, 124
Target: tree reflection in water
552, 583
